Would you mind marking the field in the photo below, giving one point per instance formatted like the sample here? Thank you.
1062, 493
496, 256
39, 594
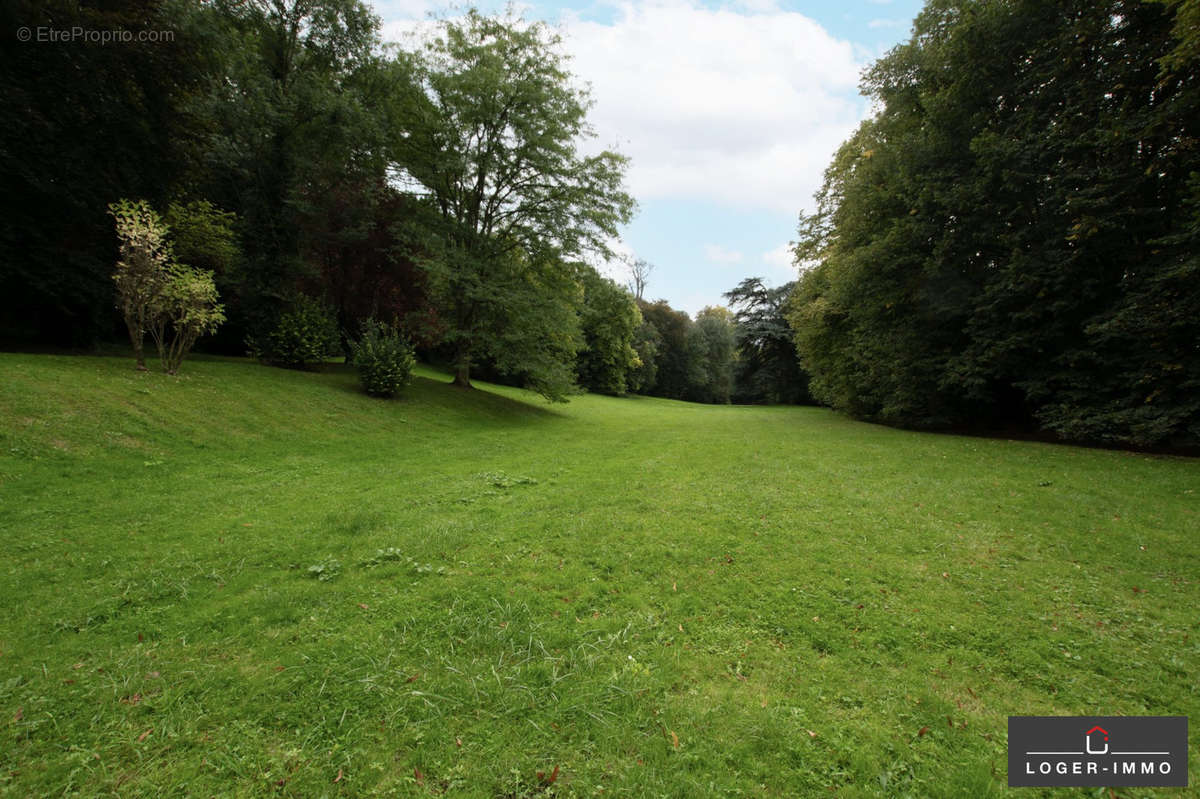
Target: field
253, 582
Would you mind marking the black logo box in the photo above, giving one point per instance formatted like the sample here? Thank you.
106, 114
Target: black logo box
1089, 751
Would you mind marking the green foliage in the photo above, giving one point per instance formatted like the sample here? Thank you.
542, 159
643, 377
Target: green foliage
141, 273
84, 124
647, 342
489, 152
1008, 242
673, 372
384, 359
188, 309
767, 368
609, 320
710, 346
176, 303
203, 236
302, 338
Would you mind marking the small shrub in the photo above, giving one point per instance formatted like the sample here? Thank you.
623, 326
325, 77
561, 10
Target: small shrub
305, 335
176, 303
384, 359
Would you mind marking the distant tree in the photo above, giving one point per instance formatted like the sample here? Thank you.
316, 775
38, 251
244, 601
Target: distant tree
673, 362
609, 320
767, 367
710, 342
647, 343
489, 151
639, 274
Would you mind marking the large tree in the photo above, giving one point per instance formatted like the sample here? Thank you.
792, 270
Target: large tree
1012, 239
489, 144
767, 367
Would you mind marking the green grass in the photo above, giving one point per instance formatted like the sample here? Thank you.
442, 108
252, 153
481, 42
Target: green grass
253, 582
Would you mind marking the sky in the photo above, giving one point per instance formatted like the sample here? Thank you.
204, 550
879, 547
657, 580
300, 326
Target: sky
730, 113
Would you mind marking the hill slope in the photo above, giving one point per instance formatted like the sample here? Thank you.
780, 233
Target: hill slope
248, 581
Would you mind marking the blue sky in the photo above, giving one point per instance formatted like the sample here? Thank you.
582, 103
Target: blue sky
730, 113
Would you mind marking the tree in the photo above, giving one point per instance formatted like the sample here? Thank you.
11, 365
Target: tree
176, 303
141, 273
674, 373
609, 320
768, 368
1010, 241
187, 310
639, 274
710, 343
490, 153
84, 124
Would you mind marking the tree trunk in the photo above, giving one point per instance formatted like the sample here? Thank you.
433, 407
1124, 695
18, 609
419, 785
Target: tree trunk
462, 375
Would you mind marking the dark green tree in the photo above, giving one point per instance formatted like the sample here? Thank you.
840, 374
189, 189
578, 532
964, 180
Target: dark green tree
767, 368
991, 244
674, 371
609, 320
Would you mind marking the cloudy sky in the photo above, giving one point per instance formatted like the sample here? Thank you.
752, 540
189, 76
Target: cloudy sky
730, 113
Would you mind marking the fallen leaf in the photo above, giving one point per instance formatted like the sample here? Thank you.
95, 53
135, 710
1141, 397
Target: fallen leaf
673, 587
950, 721
921, 732
279, 668
362, 605
153, 675
77, 666
811, 734
414, 677
553, 776
20, 714
338, 778
945, 574
458, 742
764, 701
674, 739
681, 628
142, 737
418, 776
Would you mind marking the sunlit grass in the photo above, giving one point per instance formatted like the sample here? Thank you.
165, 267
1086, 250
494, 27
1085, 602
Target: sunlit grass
247, 581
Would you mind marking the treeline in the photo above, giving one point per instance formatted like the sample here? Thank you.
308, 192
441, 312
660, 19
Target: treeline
332, 185
1012, 240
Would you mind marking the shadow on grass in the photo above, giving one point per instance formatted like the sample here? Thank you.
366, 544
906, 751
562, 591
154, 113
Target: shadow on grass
483, 400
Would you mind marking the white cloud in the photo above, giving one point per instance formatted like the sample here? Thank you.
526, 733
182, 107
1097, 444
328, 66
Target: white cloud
780, 268
742, 105
744, 109
875, 24
719, 255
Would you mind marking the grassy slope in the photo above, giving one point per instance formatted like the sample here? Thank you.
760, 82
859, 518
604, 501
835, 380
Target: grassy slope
679, 601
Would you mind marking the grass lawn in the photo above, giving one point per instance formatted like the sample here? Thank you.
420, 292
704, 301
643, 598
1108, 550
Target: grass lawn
252, 582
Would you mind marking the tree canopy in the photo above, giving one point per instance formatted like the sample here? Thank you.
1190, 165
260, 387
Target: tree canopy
1012, 238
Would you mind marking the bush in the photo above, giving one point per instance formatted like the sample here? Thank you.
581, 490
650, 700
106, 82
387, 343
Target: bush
384, 359
305, 335
176, 303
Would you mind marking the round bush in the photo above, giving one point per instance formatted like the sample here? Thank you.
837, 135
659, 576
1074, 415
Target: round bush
384, 359
307, 334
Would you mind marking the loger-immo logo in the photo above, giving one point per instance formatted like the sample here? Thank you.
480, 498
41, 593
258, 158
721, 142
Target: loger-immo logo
1097, 751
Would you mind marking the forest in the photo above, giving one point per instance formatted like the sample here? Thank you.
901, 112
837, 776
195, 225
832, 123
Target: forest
1009, 243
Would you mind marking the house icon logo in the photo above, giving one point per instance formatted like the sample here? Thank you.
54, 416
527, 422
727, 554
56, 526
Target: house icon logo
1135, 751
1093, 737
